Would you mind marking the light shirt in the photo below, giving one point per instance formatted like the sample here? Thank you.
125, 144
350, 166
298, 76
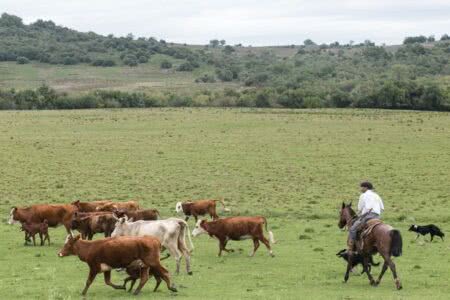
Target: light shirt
370, 201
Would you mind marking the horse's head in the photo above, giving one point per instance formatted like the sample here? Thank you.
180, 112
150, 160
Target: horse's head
346, 215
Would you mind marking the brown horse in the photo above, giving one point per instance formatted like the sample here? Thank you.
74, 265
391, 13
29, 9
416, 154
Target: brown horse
383, 239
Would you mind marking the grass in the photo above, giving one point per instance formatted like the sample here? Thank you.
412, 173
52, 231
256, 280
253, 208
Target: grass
295, 167
82, 78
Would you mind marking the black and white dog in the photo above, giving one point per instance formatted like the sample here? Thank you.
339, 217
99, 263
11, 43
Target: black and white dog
428, 229
356, 259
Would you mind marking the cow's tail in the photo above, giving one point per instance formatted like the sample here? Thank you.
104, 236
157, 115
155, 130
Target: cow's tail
223, 204
185, 231
271, 236
396, 243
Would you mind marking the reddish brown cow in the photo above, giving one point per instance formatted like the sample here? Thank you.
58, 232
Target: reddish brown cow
89, 206
236, 228
119, 252
199, 208
113, 206
31, 229
91, 223
143, 214
55, 214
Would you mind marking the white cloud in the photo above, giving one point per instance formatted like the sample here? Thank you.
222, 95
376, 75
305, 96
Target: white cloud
260, 22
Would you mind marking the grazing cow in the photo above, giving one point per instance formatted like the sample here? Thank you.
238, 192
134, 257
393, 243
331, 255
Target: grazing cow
134, 273
113, 253
171, 232
89, 224
31, 229
114, 206
89, 206
55, 214
199, 208
144, 214
236, 228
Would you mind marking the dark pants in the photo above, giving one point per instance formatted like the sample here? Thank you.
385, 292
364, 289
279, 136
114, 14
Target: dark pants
359, 222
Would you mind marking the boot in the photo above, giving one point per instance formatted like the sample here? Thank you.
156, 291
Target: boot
351, 244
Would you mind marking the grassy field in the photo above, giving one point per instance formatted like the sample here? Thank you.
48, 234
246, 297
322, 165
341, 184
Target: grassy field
295, 167
82, 78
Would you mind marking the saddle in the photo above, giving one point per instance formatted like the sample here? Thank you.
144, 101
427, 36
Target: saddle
365, 230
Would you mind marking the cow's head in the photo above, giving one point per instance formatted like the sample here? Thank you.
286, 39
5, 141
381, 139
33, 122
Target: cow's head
178, 208
199, 228
68, 248
76, 203
75, 220
120, 228
13, 216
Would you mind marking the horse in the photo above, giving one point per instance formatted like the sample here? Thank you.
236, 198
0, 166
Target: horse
382, 239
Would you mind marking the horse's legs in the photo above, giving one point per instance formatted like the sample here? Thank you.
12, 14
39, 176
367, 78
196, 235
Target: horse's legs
394, 273
383, 270
349, 267
366, 260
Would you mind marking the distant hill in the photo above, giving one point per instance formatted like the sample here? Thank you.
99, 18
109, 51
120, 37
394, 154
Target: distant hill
415, 75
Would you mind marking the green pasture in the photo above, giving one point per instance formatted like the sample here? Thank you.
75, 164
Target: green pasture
293, 166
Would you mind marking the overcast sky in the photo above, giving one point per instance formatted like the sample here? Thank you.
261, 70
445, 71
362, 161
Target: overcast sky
259, 22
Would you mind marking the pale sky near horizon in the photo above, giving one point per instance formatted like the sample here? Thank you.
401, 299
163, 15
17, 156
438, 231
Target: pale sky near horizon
250, 22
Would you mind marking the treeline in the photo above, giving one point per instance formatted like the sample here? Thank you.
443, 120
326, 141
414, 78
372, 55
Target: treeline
387, 94
45, 42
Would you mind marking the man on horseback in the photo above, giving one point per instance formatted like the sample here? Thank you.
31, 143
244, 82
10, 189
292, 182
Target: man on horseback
370, 206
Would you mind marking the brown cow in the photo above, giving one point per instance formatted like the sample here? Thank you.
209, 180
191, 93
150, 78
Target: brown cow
89, 206
113, 206
236, 228
91, 223
55, 214
31, 229
119, 252
199, 208
143, 214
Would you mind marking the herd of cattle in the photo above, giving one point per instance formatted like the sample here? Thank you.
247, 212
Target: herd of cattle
134, 237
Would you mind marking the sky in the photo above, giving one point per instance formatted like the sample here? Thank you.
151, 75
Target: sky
257, 23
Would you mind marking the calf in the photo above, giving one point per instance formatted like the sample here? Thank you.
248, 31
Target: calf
114, 206
236, 228
357, 259
134, 273
144, 214
89, 224
55, 214
199, 208
113, 253
89, 206
31, 229
171, 233
431, 229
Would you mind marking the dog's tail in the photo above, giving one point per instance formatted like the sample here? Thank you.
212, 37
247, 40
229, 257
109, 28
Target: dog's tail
396, 243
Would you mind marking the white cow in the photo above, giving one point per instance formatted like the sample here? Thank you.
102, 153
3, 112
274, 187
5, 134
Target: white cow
171, 232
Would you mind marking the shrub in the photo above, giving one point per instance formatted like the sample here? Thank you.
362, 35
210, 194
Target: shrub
165, 64
21, 60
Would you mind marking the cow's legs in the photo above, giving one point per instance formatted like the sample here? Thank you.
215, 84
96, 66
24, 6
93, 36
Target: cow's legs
267, 244
47, 236
91, 277
160, 272
255, 246
107, 276
173, 250
144, 278
158, 282
34, 239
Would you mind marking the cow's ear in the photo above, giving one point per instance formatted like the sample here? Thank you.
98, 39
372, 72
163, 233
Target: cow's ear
343, 205
76, 202
76, 238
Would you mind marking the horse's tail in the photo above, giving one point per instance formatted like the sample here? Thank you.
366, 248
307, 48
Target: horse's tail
396, 243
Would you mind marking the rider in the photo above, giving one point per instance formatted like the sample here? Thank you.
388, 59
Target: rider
370, 206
